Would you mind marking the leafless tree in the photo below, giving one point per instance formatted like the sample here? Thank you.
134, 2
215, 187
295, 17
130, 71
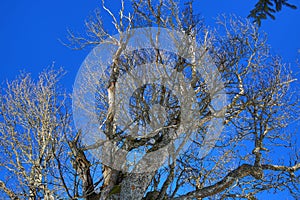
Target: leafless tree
246, 160
34, 121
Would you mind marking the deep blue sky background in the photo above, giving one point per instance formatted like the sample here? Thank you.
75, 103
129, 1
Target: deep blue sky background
30, 32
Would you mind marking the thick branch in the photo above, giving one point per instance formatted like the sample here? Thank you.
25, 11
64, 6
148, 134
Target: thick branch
231, 178
82, 166
290, 170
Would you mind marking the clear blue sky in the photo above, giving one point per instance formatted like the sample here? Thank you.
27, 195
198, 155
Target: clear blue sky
30, 32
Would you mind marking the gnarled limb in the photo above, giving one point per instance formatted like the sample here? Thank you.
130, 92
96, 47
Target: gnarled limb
240, 172
82, 167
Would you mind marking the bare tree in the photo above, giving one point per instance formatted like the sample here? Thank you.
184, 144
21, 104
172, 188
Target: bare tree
260, 106
34, 122
258, 87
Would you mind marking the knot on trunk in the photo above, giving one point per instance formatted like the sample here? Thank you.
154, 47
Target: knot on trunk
257, 172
